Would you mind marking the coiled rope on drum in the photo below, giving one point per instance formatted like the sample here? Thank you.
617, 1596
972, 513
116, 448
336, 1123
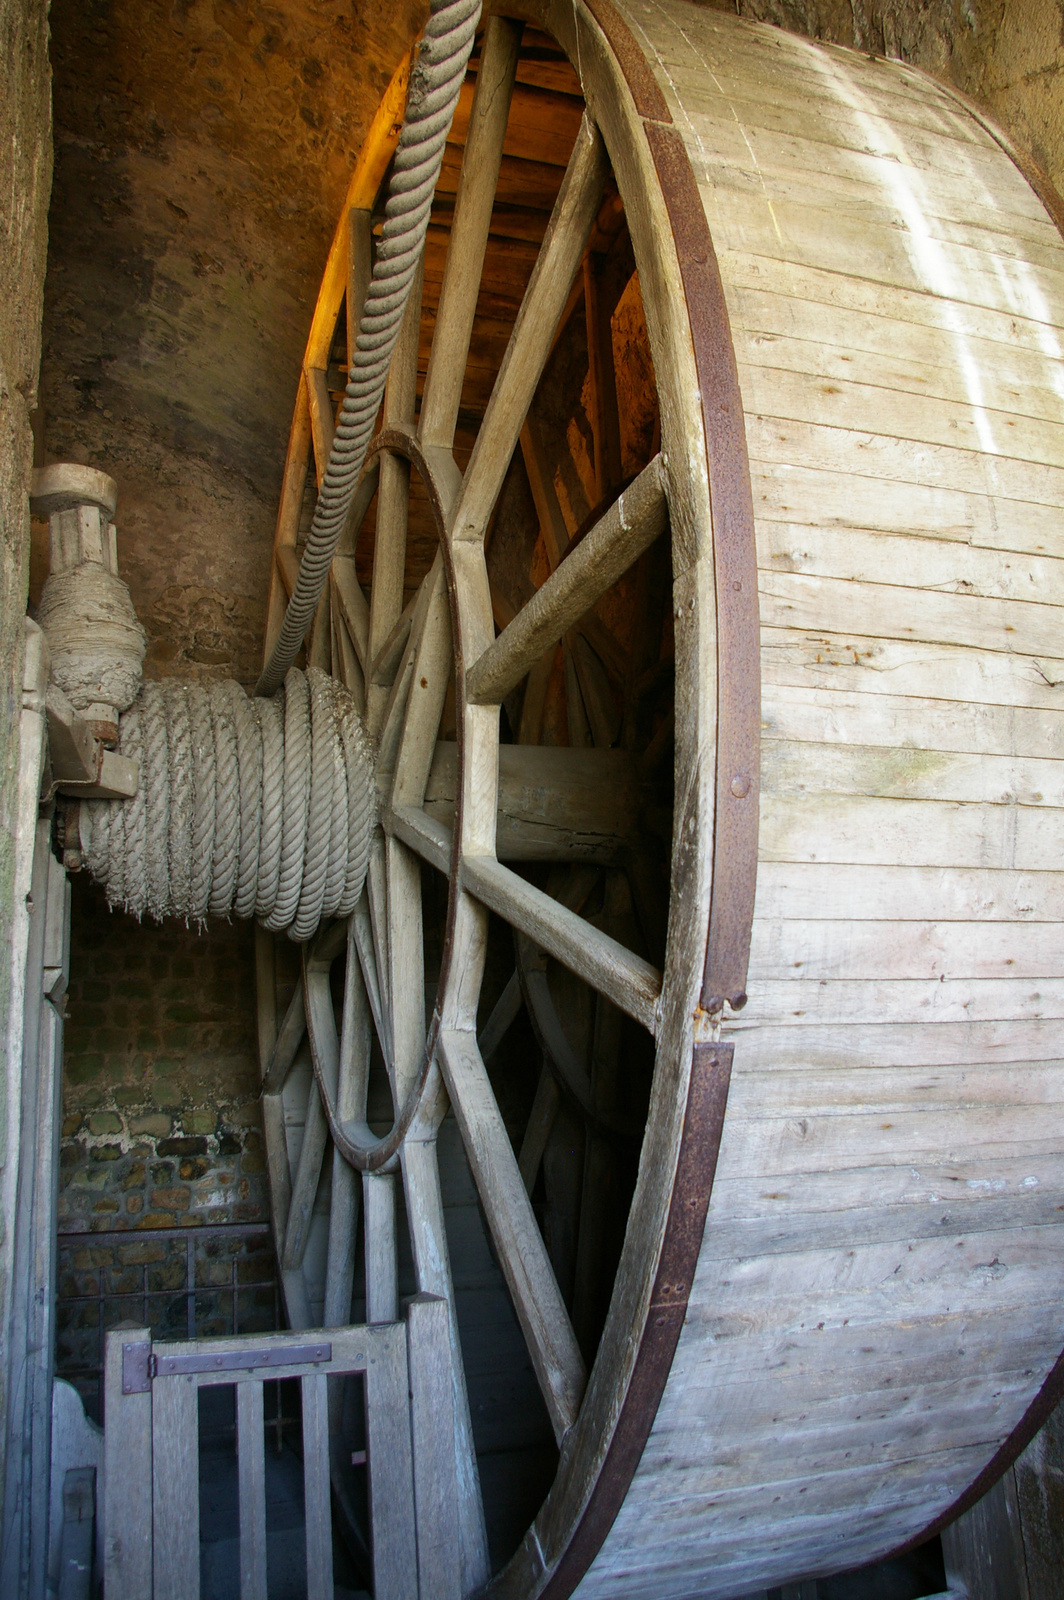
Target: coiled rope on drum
435, 83
245, 807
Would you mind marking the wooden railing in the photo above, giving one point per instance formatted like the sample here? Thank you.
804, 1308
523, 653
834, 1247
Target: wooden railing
151, 1536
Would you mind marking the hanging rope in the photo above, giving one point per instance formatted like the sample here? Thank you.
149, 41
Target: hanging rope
244, 807
431, 99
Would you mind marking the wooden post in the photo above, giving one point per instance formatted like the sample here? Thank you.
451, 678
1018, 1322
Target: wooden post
127, 1482
391, 1478
432, 1429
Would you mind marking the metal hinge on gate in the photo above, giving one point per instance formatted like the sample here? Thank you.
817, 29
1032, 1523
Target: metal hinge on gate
140, 1365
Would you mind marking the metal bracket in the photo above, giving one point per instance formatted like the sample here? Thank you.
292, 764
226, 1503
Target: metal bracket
136, 1368
284, 1355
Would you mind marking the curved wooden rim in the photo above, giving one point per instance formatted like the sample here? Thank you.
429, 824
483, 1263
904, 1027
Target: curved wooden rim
735, 838
707, 1098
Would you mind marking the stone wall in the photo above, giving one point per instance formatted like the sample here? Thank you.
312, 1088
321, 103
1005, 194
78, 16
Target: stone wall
161, 1113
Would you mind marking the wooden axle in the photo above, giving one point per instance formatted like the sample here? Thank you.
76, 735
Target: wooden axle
557, 804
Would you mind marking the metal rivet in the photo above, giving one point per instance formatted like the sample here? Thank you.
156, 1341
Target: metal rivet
740, 787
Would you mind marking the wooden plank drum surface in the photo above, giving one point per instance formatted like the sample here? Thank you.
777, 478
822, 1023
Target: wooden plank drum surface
840, 1291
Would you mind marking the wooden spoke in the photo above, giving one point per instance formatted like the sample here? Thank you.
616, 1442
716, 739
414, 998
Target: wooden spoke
530, 342
629, 981
503, 1016
305, 1185
522, 1253
469, 231
631, 524
352, 605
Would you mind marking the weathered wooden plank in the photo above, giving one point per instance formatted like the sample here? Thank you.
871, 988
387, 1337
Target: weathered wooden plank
833, 345
317, 1512
818, 497
485, 134
866, 1043
391, 1481
796, 767
175, 1488
794, 600
893, 461
945, 566
911, 723
305, 1186
817, 658
821, 1143
815, 950
251, 1464
432, 1435
821, 287
859, 402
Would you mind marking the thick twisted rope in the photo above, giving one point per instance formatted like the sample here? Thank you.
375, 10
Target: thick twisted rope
435, 84
244, 807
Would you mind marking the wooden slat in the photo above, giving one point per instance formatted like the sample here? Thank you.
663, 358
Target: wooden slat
794, 600
945, 566
391, 1478
251, 1463
126, 1491
890, 461
432, 1432
317, 1511
469, 231
533, 333
908, 722
628, 528
845, 948
860, 402
910, 774
175, 1488
519, 1244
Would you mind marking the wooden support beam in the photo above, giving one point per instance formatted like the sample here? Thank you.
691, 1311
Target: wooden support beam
633, 522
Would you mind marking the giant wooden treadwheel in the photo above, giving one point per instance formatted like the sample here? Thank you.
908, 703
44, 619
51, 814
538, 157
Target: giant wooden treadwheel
823, 218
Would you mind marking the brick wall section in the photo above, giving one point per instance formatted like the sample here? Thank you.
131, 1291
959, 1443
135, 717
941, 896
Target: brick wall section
160, 1080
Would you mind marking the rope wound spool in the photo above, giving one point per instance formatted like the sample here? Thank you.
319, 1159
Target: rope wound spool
245, 807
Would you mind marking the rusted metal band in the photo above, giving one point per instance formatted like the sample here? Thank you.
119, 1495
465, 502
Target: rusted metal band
731, 912
707, 1097
642, 84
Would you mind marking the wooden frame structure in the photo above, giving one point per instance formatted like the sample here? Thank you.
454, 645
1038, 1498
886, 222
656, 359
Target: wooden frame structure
834, 259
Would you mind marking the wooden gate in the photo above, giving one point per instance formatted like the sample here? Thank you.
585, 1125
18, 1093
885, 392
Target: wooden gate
151, 1536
